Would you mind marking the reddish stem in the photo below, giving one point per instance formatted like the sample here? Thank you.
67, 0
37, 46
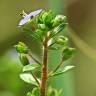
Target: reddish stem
44, 68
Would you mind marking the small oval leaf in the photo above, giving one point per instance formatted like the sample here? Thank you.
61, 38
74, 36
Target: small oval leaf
66, 68
30, 67
28, 78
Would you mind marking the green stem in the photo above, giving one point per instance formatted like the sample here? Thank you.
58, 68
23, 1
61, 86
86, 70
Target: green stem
30, 54
56, 68
36, 79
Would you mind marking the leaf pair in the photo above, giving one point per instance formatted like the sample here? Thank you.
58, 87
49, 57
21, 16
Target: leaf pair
28, 77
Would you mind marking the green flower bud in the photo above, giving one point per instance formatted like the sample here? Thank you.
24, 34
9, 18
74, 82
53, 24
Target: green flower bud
21, 48
42, 26
23, 58
46, 18
62, 40
68, 53
58, 20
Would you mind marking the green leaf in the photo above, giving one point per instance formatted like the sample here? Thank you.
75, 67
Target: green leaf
28, 78
31, 67
59, 28
53, 48
35, 92
53, 92
66, 68
68, 52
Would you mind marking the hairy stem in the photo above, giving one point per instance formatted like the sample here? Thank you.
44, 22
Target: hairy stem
44, 68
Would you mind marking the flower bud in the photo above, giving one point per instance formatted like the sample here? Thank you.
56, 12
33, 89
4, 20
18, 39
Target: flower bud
62, 40
46, 17
68, 53
42, 26
58, 20
23, 58
21, 48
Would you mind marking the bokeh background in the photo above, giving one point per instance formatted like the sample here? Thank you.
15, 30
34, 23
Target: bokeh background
81, 31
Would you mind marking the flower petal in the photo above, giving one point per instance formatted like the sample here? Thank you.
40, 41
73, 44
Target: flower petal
24, 20
27, 17
34, 13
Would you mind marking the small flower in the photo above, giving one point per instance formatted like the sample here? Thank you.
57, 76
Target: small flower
27, 17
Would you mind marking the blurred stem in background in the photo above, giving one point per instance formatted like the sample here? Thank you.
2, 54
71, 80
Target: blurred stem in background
67, 83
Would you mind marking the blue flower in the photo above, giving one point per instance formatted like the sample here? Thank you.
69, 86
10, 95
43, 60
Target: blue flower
27, 17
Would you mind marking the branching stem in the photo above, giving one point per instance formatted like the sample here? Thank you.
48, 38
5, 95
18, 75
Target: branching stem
36, 79
30, 54
57, 67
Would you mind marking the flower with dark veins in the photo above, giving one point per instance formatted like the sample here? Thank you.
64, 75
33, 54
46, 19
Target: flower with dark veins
27, 17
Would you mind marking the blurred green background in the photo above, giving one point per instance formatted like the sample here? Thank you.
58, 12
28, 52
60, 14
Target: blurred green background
82, 33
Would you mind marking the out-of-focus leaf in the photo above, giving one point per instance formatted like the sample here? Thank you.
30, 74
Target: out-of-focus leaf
31, 67
35, 92
62, 40
53, 48
62, 71
53, 92
28, 78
